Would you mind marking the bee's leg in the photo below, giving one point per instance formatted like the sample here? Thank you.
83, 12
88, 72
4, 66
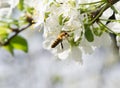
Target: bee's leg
62, 45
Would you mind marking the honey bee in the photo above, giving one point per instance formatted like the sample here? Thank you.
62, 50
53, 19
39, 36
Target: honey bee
59, 39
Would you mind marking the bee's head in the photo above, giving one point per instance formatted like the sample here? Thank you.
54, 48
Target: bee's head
66, 34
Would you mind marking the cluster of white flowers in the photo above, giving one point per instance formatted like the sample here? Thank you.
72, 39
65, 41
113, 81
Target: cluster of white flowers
64, 16
115, 25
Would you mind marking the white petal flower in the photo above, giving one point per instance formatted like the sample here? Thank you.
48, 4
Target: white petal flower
65, 54
117, 7
86, 46
117, 16
103, 40
66, 17
106, 14
39, 6
118, 40
71, 53
114, 26
70, 17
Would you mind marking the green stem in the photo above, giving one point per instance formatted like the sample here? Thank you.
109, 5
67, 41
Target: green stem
16, 33
91, 3
111, 20
99, 14
111, 31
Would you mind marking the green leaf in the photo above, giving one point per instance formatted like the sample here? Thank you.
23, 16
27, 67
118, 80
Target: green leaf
61, 19
65, 20
114, 9
9, 48
56, 79
46, 16
88, 33
104, 0
52, 3
72, 3
21, 5
89, 36
30, 10
19, 43
71, 39
4, 32
3, 37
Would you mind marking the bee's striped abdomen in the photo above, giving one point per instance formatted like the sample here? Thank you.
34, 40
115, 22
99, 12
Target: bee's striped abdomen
56, 42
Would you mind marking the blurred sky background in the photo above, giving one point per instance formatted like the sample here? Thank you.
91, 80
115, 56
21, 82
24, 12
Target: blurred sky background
40, 69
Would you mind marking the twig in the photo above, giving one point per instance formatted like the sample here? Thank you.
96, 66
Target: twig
97, 13
16, 33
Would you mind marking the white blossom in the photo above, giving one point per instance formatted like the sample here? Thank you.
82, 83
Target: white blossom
52, 28
74, 27
118, 42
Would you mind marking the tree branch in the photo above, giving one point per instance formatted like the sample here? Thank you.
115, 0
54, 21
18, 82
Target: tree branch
16, 33
30, 21
97, 13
